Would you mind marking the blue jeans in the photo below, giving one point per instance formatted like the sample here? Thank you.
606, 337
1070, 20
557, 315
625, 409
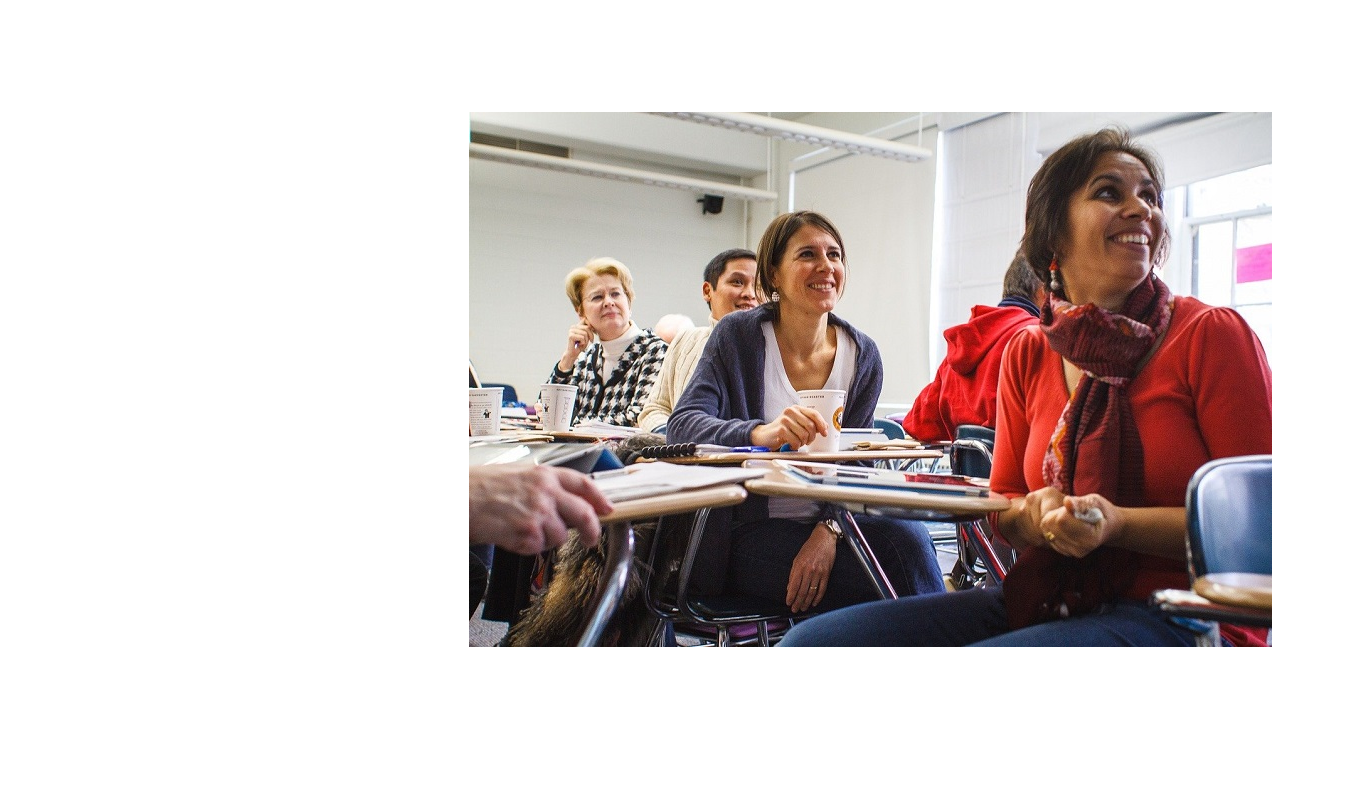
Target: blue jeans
762, 554
975, 617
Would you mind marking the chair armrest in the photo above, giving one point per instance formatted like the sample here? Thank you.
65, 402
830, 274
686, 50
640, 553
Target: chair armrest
1185, 603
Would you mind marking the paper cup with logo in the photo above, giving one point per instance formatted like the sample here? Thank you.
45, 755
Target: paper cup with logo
830, 404
485, 411
555, 406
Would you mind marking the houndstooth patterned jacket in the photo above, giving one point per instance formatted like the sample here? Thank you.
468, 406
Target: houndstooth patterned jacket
620, 400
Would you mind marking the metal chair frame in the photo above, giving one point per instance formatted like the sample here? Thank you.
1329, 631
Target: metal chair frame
981, 558
719, 620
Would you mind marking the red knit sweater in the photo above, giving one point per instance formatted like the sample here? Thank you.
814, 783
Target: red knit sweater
1205, 394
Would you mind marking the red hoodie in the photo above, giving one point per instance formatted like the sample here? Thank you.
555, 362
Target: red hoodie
965, 390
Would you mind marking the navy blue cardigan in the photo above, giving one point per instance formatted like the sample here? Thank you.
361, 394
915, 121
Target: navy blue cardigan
724, 401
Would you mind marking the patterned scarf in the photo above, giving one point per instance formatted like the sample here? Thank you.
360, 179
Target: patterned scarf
1094, 449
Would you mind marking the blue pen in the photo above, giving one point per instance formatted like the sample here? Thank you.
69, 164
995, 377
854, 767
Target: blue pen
755, 449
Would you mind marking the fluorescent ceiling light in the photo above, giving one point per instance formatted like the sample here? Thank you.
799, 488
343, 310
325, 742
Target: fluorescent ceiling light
806, 134
595, 170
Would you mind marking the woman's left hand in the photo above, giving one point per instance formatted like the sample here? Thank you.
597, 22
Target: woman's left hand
811, 570
1079, 525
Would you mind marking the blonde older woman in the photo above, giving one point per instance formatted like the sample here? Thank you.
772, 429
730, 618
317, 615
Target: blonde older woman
612, 362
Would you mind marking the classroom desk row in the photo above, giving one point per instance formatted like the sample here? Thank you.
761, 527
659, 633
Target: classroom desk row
1244, 591
776, 482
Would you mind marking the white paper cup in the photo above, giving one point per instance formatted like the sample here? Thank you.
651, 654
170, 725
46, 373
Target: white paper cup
830, 404
555, 406
485, 411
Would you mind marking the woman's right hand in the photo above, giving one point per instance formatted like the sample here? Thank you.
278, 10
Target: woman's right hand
1023, 525
578, 339
796, 426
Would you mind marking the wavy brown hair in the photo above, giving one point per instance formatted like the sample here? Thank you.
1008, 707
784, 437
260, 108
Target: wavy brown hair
774, 243
1064, 173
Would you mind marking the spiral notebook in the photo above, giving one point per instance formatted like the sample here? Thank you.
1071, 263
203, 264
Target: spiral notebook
687, 449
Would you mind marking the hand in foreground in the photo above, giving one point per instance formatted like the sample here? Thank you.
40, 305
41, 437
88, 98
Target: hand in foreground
526, 508
1078, 525
796, 426
578, 339
811, 570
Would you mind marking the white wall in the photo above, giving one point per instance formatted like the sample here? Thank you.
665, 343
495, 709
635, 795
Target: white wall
986, 167
884, 212
528, 228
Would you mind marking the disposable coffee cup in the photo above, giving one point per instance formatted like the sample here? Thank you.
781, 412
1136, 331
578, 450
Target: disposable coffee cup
830, 404
485, 411
555, 406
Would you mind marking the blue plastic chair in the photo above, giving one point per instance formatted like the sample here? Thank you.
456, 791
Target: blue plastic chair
981, 558
1229, 523
972, 452
893, 429
508, 392
1229, 516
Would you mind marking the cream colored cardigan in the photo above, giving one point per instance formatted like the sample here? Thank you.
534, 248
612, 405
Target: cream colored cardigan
681, 358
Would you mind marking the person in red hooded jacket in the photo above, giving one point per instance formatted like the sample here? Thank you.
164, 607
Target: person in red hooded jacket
965, 389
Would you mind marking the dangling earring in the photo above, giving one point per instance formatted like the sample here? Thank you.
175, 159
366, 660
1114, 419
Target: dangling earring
1055, 285
773, 297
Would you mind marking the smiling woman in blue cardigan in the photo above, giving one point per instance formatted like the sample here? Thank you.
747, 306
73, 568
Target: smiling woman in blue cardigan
743, 392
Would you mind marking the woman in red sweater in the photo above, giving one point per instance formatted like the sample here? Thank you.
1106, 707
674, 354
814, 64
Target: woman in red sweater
1104, 412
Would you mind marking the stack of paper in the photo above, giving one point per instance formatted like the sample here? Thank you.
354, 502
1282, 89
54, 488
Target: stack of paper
884, 444
509, 436
604, 430
650, 478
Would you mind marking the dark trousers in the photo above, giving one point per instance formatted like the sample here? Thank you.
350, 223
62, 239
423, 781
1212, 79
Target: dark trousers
762, 554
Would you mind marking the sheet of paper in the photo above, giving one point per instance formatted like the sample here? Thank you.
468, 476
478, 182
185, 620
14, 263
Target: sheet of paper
647, 479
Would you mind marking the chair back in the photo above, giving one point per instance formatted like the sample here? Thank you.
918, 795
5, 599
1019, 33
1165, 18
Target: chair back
508, 391
892, 429
1229, 516
972, 451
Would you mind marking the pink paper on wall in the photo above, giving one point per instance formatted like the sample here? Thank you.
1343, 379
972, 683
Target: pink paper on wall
1253, 263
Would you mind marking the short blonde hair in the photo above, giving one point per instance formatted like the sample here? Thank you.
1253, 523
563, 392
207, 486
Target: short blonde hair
597, 266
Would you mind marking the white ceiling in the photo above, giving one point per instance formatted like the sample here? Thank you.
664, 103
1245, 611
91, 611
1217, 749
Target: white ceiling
648, 141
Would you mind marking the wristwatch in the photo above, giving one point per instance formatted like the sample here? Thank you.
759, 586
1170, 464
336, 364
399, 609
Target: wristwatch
833, 525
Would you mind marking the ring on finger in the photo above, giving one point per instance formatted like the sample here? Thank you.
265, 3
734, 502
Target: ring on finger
1049, 535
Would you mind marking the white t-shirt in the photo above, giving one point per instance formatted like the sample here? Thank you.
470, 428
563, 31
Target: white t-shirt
779, 394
